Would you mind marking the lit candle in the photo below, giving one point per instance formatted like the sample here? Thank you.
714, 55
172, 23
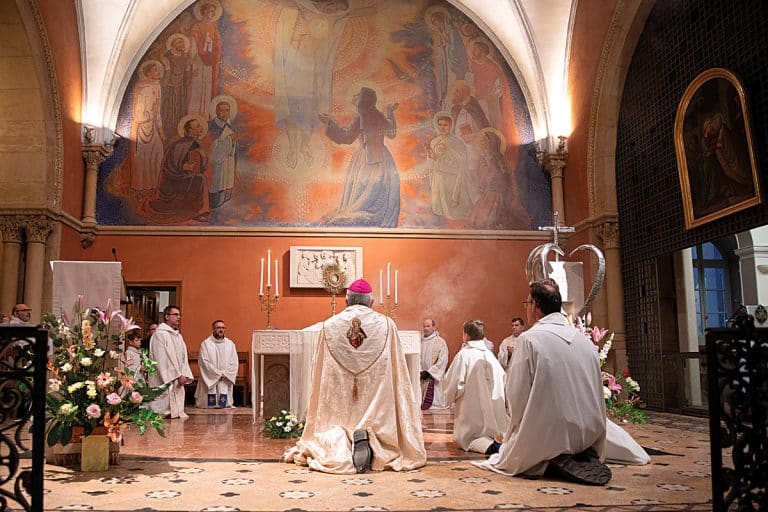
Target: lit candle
396, 271
277, 278
261, 279
269, 275
381, 286
388, 265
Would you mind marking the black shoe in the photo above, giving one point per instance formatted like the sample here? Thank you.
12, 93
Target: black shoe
583, 468
361, 451
494, 448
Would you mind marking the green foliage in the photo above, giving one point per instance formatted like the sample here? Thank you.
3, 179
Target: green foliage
283, 425
88, 384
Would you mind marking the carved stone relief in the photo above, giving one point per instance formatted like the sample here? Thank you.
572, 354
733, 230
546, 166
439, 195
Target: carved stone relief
307, 264
277, 384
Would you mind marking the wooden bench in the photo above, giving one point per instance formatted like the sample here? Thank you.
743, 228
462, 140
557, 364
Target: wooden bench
242, 387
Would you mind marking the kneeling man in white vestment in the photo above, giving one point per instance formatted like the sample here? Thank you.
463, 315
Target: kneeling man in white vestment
362, 413
475, 382
218, 369
555, 394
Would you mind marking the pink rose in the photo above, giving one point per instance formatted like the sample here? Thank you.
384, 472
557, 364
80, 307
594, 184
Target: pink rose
136, 397
113, 399
93, 411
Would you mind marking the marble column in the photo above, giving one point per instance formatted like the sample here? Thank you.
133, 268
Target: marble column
37, 228
11, 228
94, 155
554, 164
608, 233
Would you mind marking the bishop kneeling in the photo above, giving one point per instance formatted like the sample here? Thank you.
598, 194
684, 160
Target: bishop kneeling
362, 414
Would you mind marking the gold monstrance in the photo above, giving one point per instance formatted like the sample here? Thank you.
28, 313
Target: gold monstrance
334, 280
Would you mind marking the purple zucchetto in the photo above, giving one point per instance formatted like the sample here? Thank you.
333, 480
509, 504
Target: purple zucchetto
360, 286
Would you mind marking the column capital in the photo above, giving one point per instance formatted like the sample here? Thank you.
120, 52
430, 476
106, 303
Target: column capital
37, 228
608, 233
12, 228
95, 154
554, 164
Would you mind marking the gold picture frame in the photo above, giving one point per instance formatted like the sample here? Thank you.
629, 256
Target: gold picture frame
715, 157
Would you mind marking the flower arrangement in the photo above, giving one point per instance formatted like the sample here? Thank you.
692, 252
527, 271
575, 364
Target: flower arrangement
621, 391
88, 385
283, 425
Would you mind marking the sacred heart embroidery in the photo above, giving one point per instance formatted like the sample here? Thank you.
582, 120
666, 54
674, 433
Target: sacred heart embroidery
356, 335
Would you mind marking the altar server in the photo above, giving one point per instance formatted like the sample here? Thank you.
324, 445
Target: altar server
218, 369
475, 382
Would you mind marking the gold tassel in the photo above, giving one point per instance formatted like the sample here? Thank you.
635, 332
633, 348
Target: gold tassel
354, 389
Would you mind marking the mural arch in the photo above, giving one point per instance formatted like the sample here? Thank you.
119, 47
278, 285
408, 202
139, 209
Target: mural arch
302, 113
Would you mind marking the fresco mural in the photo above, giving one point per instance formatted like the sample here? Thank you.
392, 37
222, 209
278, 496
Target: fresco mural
324, 113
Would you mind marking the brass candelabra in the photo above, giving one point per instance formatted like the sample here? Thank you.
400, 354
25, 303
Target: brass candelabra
389, 305
269, 305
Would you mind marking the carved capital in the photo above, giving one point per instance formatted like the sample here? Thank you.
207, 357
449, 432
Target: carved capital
37, 228
95, 154
554, 164
12, 229
87, 238
608, 233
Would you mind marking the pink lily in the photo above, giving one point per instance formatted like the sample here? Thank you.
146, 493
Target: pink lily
612, 384
598, 334
80, 304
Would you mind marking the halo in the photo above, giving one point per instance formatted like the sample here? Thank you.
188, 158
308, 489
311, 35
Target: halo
183, 121
146, 65
227, 99
432, 10
173, 37
497, 133
439, 115
482, 40
199, 9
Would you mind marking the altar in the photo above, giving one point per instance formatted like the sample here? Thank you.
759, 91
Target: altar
281, 361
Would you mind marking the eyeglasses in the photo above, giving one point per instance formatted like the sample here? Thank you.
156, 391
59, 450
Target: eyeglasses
174, 314
527, 302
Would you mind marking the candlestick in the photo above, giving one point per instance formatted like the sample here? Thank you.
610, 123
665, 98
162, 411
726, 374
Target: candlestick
388, 265
381, 286
277, 279
269, 303
269, 275
261, 279
396, 271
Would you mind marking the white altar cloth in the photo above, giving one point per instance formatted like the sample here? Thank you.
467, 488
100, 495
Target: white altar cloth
300, 347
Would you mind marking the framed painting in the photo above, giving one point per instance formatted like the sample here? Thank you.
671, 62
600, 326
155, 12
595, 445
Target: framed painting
715, 157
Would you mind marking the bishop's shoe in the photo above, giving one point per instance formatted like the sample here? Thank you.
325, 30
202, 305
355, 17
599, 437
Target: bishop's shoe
362, 455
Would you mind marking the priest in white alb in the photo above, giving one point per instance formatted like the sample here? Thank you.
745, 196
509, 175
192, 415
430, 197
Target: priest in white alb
555, 398
168, 349
434, 362
475, 382
218, 364
362, 414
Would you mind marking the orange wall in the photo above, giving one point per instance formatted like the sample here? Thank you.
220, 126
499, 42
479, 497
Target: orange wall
593, 18
65, 47
452, 280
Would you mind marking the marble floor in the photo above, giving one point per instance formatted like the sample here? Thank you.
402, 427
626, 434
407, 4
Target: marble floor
219, 461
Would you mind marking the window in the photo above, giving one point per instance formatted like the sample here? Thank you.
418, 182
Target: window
710, 280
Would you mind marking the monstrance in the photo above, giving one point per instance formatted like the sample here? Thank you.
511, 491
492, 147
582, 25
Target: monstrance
334, 280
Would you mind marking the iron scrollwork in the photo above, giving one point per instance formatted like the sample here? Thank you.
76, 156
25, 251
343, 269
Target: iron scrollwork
23, 355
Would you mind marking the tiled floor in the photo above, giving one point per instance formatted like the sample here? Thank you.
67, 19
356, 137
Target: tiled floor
219, 461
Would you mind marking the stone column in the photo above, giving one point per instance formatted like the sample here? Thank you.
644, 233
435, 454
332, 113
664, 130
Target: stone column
9, 275
94, 155
554, 164
608, 233
37, 228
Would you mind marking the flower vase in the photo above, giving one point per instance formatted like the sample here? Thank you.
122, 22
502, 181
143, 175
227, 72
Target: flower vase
88, 453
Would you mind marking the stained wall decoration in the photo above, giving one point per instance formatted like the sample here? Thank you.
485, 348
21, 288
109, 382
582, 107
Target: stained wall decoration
324, 113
